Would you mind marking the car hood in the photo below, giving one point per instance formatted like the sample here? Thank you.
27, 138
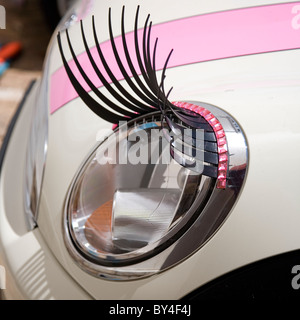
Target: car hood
259, 89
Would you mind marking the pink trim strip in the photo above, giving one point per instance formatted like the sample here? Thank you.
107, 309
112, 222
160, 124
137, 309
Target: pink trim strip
197, 39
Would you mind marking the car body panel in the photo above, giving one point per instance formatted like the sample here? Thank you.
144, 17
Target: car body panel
269, 131
32, 270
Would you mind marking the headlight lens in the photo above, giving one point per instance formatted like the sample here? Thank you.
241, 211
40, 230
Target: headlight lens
133, 211
130, 195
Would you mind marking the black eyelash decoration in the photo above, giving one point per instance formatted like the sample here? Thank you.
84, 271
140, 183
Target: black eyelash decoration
147, 87
151, 93
152, 98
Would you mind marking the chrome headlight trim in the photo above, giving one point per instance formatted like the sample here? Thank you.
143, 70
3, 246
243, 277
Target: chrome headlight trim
197, 230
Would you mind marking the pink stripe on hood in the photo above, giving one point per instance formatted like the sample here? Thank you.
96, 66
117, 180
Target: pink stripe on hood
195, 39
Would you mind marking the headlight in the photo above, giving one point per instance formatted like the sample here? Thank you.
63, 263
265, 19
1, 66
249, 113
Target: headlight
132, 210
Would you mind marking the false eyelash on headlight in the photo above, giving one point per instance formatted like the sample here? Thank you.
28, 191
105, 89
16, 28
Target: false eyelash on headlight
149, 90
152, 98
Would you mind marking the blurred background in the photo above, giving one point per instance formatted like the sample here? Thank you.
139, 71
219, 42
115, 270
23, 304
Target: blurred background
29, 26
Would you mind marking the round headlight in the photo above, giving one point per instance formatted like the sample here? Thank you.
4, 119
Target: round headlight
130, 195
132, 203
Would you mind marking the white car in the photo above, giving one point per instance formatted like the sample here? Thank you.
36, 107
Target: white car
157, 157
